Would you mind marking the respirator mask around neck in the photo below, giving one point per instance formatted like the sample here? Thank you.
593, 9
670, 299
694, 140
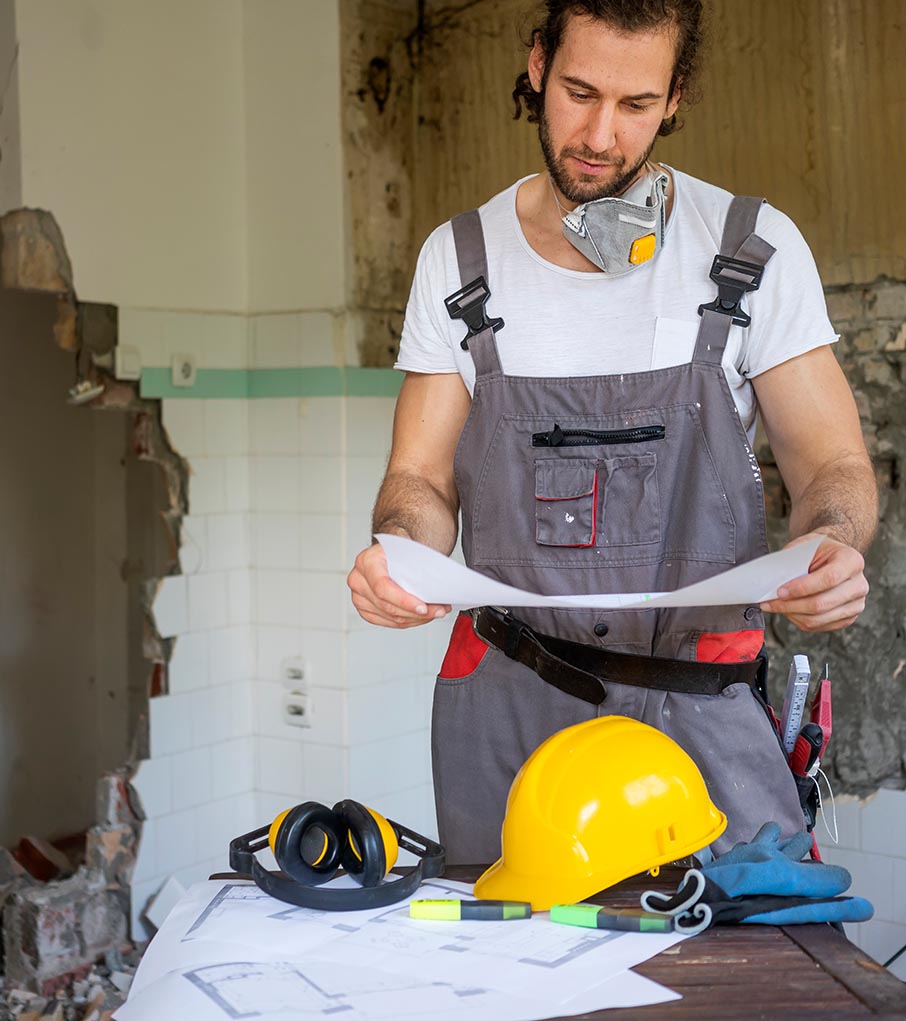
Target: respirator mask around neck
621, 234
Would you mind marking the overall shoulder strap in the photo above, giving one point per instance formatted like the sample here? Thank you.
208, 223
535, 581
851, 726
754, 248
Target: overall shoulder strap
470, 302
737, 270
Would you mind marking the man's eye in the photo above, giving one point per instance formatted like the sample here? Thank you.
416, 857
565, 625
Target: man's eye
638, 107
579, 96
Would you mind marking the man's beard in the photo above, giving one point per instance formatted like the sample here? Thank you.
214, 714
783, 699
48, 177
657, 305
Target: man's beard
589, 189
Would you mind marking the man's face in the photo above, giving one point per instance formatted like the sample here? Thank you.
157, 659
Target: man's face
605, 96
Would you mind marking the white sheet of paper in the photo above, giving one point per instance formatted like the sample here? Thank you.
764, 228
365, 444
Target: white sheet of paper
437, 579
228, 948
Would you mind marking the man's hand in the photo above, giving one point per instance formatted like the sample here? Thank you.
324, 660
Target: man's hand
378, 598
831, 595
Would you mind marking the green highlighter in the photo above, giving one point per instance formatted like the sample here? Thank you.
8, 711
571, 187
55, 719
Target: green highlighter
627, 919
469, 910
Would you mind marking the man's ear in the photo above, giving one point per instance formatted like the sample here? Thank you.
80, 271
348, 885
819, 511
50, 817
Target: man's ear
674, 101
536, 63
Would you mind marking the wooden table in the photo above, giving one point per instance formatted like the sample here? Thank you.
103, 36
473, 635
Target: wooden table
748, 972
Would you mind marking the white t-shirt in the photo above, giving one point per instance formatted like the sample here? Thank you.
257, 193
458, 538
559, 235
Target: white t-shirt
563, 322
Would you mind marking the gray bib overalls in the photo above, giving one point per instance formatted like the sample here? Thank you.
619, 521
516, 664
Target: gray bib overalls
625, 483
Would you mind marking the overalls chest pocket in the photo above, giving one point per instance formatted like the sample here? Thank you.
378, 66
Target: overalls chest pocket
607, 501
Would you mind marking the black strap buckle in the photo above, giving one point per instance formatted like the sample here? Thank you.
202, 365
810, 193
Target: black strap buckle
734, 278
468, 304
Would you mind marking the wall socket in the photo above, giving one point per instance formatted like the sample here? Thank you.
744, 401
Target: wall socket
182, 370
296, 696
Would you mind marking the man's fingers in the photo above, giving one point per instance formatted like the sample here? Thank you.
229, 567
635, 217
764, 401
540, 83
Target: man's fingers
832, 566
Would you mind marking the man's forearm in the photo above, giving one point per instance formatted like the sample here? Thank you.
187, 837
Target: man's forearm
842, 501
409, 505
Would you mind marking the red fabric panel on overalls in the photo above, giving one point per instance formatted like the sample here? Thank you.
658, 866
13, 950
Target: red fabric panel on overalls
465, 650
729, 647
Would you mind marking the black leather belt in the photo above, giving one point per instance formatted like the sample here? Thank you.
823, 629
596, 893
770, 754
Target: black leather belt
582, 670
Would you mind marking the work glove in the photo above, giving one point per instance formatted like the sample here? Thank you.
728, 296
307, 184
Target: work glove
762, 881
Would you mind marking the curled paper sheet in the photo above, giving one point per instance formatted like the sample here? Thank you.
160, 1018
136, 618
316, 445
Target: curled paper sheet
437, 579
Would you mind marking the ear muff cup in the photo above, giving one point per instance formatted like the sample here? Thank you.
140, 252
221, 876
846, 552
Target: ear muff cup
371, 847
309, 843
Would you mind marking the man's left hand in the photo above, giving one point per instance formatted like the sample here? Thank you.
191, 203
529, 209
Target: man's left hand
831, 596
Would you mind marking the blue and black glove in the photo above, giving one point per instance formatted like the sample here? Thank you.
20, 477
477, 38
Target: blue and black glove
763, 881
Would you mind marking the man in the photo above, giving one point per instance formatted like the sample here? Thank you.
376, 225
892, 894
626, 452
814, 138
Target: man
600, 438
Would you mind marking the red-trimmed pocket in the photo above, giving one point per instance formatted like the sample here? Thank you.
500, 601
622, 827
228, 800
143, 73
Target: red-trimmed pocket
566, 502
729, 646
465, 650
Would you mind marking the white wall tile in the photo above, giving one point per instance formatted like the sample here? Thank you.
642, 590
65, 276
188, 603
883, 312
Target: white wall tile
321, 489
848, 813
328, 714
142, 892
270, 721
276, 484
899, 889
189, 663
323, 653
228, 544
884, 822
152, 782
325, 600
237, 484
413, 808
225, 342
358, 534
233, 767
207, 485
274, 646
242, 709
321, 542
280, 767
170, 608
369, 425
183, 419
385, 767
316, 332
169, 724
230, 654
182, 333
386, 710
321, 426
274, 425
240, 596
175, 841
226, 427
275, 341
277, 540
141, 328
193, 553
363, 480
210, 714
146, 859
208, 606
278, 598
191, 778
881, 940
326, 773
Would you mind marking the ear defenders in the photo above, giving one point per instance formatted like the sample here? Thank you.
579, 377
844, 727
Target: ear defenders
311, 842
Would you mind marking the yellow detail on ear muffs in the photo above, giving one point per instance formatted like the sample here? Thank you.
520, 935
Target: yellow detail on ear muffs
311, 842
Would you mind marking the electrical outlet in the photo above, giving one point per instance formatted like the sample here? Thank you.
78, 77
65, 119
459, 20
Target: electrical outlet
297, 694
297, 708
182, 370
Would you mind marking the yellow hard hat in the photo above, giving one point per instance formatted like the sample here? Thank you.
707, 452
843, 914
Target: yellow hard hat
595, 804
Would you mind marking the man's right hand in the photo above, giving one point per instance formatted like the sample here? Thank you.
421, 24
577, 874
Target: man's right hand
378, 598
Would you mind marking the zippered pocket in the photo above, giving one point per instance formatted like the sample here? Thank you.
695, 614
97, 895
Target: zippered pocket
558, 437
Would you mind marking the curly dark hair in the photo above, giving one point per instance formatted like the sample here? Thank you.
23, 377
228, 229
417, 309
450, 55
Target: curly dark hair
625, 16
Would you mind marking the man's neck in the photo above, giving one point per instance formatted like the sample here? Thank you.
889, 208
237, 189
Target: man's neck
541, 219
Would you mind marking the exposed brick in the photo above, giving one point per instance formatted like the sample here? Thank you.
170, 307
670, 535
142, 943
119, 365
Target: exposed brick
54, 930
114, 800
846, 306
888, 301
111, 851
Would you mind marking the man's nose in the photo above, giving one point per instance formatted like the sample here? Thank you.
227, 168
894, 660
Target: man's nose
600, 129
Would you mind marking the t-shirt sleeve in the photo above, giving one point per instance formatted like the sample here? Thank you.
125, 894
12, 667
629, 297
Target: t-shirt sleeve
789, 312
425, 342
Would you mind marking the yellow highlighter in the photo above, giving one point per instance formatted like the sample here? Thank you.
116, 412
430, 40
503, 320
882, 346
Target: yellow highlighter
469, 910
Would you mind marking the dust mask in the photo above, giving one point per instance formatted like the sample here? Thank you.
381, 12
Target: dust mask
621, 234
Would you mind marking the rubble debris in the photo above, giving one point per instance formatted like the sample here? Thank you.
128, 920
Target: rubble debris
42, 860
92, 998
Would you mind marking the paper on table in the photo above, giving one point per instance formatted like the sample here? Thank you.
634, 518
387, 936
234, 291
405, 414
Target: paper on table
228, 950
437, 579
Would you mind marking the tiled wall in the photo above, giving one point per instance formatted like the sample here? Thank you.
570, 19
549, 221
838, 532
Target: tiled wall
280, 495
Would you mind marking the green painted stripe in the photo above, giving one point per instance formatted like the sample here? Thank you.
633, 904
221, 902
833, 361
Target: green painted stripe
314, 381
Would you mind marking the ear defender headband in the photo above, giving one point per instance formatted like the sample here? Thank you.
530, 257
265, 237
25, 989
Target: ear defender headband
311, 842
